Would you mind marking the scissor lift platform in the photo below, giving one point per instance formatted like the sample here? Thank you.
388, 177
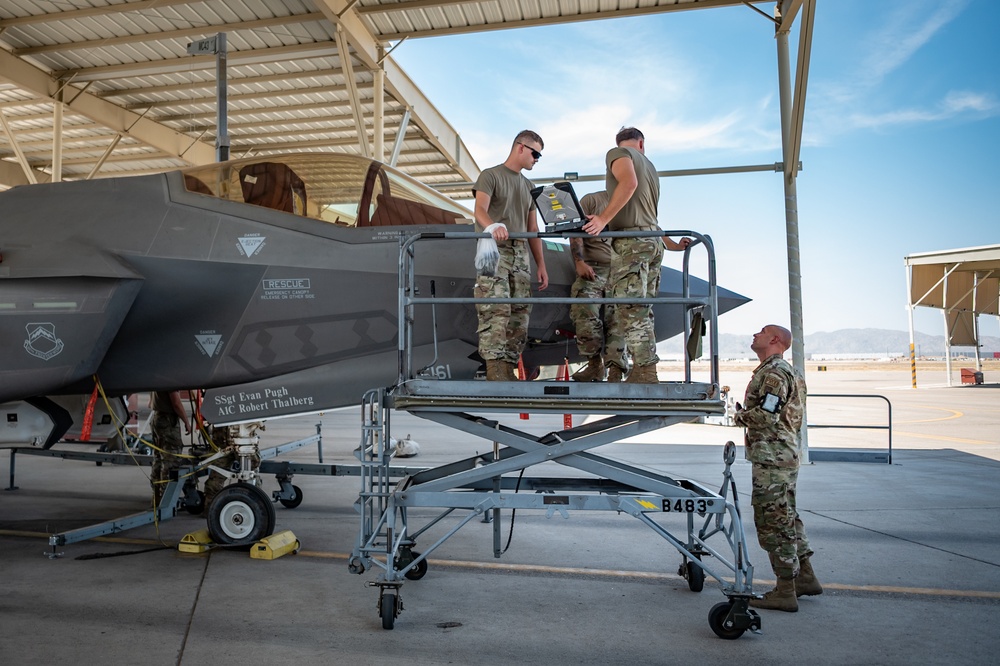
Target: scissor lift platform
483, 484
665, 398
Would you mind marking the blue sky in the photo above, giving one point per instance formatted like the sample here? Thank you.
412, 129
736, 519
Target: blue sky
902, 131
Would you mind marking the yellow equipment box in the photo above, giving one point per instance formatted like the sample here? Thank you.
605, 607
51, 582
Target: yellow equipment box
274, 546
196, 542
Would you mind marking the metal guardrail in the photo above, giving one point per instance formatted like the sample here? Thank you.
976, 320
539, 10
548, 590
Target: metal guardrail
858, 427
408, 291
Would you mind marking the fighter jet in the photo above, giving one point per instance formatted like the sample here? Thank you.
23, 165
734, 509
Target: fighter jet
272, 281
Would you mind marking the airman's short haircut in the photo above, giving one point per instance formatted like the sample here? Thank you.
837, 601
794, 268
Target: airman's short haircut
628, 134
528, 135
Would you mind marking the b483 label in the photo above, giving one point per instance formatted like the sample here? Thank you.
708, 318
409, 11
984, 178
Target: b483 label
685, 505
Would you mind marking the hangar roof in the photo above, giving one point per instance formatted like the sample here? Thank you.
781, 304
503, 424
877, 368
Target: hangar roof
963, 283
134, 101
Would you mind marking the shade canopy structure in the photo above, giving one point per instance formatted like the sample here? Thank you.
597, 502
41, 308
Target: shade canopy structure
99, 88
964, 284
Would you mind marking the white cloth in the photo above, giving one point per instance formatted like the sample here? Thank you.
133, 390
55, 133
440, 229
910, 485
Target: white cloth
487, 254
404, 448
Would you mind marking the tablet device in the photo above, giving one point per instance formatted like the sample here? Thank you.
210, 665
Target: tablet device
558, 207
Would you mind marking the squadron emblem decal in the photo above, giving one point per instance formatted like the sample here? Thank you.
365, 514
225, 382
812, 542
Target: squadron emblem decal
42, 341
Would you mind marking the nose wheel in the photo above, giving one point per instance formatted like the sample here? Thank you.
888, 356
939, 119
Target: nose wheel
240, 515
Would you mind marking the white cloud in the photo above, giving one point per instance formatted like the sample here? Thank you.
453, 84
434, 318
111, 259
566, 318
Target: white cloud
873, 81
953, 104
909, 28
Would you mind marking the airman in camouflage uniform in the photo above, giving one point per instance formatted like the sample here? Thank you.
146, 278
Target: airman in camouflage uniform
772, 414
633, 187
503, 205
592, 260
168, 412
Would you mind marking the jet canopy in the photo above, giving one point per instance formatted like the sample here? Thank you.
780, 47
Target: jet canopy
346, 190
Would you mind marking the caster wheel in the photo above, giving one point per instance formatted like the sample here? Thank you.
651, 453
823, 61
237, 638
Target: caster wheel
403, 560
356, 566
387, 609
717, 620
419, 571
240, 515
295, 499
695, 575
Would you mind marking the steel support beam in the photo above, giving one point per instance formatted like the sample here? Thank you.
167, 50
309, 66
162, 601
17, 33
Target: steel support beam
21, 159
105, 113
367, 49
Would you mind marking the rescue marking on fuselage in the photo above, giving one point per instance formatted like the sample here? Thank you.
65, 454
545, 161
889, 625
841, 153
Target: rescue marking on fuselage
286, 289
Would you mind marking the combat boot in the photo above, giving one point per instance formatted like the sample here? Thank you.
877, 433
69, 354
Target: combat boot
509, 371
592, 372
806, 584
643, 374
782, 597
615, 373
495, 370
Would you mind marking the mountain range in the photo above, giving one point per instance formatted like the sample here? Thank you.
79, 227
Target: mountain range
857, 342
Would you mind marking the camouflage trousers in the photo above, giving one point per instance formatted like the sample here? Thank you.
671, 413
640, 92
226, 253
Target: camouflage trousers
780, 531
635, 273
169, 446
593, 330
503, 327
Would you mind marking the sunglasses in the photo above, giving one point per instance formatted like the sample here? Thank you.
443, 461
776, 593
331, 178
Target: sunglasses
534, 153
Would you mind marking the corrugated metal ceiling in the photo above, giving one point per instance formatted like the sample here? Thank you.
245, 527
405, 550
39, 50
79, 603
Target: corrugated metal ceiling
133, 101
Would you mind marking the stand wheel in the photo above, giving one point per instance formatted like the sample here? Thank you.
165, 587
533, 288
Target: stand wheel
418, 571
240, 515
717, 620
194, 507
294, 500
387, 609
695, 575
355, 565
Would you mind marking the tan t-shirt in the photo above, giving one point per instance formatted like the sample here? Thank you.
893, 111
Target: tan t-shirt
510, 196
640, 211
596, 250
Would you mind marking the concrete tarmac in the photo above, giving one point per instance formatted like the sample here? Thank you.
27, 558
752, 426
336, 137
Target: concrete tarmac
908, 553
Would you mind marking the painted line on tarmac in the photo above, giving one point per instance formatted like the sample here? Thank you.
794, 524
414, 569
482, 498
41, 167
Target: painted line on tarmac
574, 571
954, 414
943, 438
647, 575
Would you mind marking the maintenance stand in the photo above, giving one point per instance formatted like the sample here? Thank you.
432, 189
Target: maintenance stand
481, 485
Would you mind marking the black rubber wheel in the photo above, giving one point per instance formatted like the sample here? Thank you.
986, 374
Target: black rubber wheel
388, 611
195, 508
695, 576
294, 501
240, 515
418, 571
716, 618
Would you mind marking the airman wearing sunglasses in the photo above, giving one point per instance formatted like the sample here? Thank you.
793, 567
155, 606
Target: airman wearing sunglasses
504, 206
